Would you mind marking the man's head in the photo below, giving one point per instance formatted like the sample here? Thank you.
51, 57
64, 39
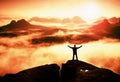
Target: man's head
74, 45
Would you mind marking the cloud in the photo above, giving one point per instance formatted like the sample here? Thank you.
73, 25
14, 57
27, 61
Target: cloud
75, 20
83, 38
107, 62
8, 35
95, 33
5, 18
13, 59
73, 39
49, 40
45, 20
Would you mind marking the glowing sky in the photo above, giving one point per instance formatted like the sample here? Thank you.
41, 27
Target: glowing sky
57, 8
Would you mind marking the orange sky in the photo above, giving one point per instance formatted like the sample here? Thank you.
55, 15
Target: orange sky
57, 8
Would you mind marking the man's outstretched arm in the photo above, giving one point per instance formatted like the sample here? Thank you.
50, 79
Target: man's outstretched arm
80, 46
69, 46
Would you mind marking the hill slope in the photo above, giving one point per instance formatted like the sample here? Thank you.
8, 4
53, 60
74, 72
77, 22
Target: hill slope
71, 71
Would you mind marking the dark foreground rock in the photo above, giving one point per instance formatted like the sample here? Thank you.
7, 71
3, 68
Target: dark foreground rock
46, 73
79, 71
71, 71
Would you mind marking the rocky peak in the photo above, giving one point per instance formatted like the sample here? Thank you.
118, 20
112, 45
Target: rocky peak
12, 22
79, 71
22, 22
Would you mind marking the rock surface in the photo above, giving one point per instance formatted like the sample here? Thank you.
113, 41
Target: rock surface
79, 71
71, 71
46, 73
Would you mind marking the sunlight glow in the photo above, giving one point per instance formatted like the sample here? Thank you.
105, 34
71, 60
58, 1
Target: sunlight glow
90, 12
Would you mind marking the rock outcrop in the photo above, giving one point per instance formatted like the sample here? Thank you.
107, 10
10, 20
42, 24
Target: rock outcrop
46, 73
79, 71
71, 71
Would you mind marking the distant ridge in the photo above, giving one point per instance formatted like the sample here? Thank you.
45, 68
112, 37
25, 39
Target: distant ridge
15, 25
21, 22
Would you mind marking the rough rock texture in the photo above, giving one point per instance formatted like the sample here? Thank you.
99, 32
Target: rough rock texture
79, 71
46, 73
71, 71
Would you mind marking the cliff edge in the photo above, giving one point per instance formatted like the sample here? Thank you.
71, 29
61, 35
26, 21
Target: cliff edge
71, 71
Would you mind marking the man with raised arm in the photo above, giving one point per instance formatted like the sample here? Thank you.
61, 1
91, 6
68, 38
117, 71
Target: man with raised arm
75, 51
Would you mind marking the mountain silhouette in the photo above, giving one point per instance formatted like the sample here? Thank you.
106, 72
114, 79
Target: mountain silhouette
13, 25
104, 25
20, 27
114, 20
22, 22
71, 71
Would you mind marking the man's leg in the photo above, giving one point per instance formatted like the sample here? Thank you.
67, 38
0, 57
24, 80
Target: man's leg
76, 57
73, 56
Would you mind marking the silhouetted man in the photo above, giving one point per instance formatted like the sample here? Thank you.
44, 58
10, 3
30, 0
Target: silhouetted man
75, 51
